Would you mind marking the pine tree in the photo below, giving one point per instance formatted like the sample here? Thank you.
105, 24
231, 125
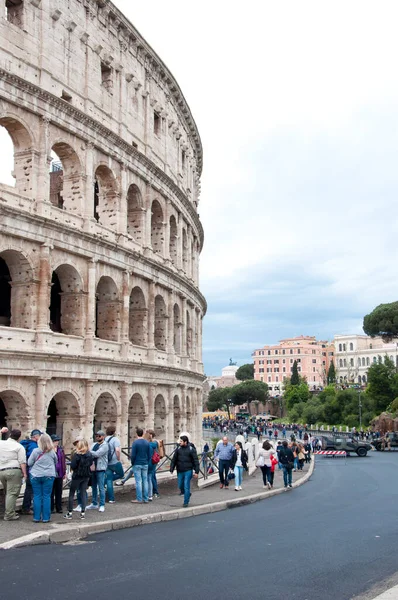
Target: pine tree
331, 374
295, 378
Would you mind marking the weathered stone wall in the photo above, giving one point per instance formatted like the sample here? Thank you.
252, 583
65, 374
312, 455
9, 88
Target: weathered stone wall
102, 258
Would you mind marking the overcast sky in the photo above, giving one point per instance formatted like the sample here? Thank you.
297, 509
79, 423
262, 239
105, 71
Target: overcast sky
296, 104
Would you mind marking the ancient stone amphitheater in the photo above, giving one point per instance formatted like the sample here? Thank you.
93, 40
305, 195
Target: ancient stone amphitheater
100, 310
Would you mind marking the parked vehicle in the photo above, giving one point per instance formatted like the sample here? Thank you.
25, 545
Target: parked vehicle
347, 444
381, 443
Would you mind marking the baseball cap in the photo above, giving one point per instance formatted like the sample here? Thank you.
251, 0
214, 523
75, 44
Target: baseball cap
35, 432
55, 438
101, 432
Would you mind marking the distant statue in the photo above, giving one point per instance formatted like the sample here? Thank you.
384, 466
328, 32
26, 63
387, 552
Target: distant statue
231, 363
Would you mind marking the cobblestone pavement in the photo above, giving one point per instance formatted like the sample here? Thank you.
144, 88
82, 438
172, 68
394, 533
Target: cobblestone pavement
169, 500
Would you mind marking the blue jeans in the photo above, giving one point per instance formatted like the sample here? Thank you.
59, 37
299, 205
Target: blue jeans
150, 482
42, 489
141, 482
98, 482
287, 476
184, 483
238, 476
154, 482
112, 473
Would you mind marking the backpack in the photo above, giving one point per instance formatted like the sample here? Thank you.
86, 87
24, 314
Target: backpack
111, 449
83, 467
29, 446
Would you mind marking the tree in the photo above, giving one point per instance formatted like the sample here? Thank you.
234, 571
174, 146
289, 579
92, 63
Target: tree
249, 391
295, 378
383, 321
245, 372
382, 385
218, 398
331, 378
294, 394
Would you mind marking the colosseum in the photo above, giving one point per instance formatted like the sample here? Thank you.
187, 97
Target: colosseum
100, 309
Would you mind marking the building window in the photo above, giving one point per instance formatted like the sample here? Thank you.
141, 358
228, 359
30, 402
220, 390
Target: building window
343, 347
367, 361
314, 352
363, 361
340, 347
106, 76
284, 369
276, 351
283, 351
314, 360
269, 352
276, 361
345, 362
351, 346
183, 160
341, 362
291, 351
291, 361
359, 362
14, 12
156, 123
299, 369
276, 379
269, 379
262, 378
284, 360
298, 351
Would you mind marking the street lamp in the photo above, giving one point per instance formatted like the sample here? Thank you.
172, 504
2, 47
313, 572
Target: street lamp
360, 409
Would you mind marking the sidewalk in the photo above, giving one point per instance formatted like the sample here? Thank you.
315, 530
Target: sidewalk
125, 514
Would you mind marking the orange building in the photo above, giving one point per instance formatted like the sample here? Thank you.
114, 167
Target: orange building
273, 363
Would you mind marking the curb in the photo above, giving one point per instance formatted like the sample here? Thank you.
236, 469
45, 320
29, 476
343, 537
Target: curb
61, 535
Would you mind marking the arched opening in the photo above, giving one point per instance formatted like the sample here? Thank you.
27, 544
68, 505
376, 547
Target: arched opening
160, 417
17, 291
177, 417
18, 160
136, 415
107, 310
176, 329
135, 215
67, 301
189, 333
63, 418
5, 294
173, 244
105, 197
157, 226
138, 318
14, 411
188, 408
65, 178
185, 250
105, 412
160, 323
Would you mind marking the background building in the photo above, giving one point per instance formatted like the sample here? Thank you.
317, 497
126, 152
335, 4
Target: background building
355, 353
273, 363
100, 310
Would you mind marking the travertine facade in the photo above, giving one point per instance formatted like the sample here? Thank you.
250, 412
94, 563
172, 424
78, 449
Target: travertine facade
100, 311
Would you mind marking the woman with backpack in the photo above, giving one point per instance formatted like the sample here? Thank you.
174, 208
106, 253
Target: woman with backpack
81, 466
264, 462
154, 460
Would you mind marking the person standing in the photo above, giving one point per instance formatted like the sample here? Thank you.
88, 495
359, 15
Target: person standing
99, 452
238, 463
115, 468
12, 469
185, 460
29, 446
224, 453
56, 494
140, 458
81, 466
150, 435
42, 469
266, 452
286, 459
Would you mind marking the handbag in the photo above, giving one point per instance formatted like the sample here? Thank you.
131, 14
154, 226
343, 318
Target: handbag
231, 475
155, 457
260, 461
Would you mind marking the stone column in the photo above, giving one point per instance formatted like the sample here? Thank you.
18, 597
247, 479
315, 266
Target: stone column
122, 226
125, 316
40, 409
189, 253
166, 226
169, 416
170, 327
184, 326
44, 293
151, 315
88, 210
150, 420
148, 217
41, 191
124, 400
91, 302
184, 423
180, 226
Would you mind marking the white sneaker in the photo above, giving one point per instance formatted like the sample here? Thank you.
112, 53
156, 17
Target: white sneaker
92, 507
101, 509
240, 487
78, 508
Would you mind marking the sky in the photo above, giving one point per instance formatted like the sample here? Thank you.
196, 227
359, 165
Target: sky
296, 105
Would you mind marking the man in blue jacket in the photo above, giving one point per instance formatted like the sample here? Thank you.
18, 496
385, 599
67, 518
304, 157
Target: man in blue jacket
140, 457
224, 453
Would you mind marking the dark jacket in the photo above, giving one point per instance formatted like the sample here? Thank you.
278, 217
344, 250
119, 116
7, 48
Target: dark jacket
286, 456
60, 467
141, 452
80, 465
244, 459
185, 458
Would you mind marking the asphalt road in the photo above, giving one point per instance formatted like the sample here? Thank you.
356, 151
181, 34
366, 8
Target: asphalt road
334, 538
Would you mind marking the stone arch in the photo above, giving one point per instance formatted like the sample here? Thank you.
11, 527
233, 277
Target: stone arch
64, 417
136, 415
105, 411
17, 290
67, 305
178, 419
185, 250
188, 332
135, 214
14, 411
173, 243
157, 228
138, 318
177, 329
188, 411
22, 140
66, 185
106, 197
160, 416
107, 310
160, 335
